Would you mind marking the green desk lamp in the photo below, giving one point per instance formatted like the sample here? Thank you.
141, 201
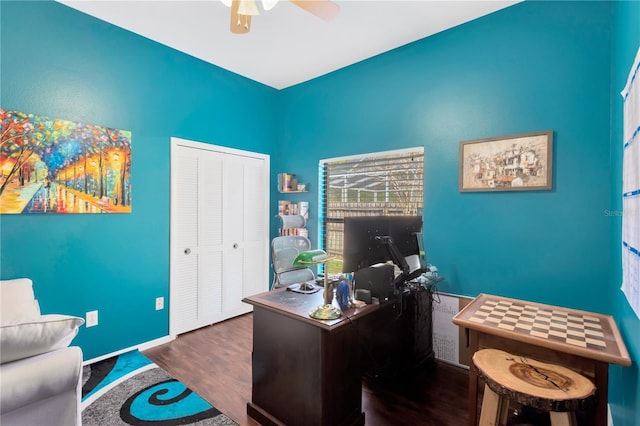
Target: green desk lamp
314, 257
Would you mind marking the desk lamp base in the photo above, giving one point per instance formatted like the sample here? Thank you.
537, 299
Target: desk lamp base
325, 312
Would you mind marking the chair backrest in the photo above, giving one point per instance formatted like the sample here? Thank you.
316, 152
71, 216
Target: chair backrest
295, 276
292, 221
283, 250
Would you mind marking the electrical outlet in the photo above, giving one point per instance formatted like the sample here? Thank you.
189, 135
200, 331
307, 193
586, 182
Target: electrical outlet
159, 303
92, 318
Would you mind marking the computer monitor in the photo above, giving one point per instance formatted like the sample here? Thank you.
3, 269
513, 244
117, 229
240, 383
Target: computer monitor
367, 240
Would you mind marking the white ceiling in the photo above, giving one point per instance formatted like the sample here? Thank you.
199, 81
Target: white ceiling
286, 45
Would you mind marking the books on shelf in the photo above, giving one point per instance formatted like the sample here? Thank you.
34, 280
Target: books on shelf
295, 231
303, 209
288, 182
286, 207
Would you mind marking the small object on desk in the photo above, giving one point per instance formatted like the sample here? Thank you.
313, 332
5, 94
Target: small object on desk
326, 311
343, 294
359, 303
363, 295
307, 287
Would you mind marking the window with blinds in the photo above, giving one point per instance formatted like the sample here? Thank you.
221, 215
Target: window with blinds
387, 183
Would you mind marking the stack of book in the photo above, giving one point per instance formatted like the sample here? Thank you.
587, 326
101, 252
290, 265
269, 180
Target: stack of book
287, 207
287, 182
295, 231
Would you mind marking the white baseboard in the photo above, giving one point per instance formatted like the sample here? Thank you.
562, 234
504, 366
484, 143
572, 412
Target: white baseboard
455, 364
609, 417
141, 347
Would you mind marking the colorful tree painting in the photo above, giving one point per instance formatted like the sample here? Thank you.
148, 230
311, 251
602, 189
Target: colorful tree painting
48, 165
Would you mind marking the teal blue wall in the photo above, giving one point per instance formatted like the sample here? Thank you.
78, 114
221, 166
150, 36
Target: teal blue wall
58, 62
533, 66
625, 382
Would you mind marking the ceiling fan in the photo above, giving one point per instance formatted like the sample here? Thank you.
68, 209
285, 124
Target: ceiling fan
243, 10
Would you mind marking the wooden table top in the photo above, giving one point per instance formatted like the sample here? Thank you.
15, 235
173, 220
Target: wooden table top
298, 306
587, 334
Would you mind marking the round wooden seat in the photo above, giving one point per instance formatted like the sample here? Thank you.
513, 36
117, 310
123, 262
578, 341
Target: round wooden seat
547, 387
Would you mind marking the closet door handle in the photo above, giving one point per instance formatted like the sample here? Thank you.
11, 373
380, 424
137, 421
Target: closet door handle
187, 251
235, 245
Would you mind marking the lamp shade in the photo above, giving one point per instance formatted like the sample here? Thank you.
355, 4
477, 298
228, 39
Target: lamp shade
268, 4
326, 311
310, 257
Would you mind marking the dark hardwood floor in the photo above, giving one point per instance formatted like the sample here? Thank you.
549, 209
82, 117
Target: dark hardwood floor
215, 362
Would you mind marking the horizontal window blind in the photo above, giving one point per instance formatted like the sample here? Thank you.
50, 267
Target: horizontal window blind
387, 183
631, 188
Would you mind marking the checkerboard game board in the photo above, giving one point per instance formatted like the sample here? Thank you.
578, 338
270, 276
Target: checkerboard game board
572, 328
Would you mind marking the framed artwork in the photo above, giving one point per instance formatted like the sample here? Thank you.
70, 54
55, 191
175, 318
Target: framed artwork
49, 165
520, 162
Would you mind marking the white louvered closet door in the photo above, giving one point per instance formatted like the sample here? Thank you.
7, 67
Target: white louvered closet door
210, 224
256, 228
184, 242
244, 260
219, 233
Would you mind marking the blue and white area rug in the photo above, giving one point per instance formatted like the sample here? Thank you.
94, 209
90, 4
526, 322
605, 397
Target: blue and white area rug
130, 389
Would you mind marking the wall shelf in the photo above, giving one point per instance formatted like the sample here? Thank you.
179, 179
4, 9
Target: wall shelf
292, 192
288, 184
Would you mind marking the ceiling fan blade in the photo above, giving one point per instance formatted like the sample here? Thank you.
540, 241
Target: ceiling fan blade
240, 24
324, 9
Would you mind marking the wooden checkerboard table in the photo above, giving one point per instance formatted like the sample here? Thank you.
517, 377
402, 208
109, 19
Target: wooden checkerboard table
583, 341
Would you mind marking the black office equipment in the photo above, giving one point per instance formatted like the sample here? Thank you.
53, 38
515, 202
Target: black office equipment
378, 279
363, 295
399, 336
369, 240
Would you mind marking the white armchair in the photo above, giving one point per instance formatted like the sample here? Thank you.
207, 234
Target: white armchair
40, 376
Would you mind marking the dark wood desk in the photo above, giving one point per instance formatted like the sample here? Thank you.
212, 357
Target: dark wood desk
583, 341
306, 372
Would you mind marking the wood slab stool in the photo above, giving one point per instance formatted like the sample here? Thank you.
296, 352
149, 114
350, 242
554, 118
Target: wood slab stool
547, 387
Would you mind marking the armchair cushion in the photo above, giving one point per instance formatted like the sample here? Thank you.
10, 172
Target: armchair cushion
43, 334
39, 378
17, 301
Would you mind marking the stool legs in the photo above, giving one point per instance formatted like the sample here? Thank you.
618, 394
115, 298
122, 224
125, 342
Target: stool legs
519, 378
495, 409
563, 419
